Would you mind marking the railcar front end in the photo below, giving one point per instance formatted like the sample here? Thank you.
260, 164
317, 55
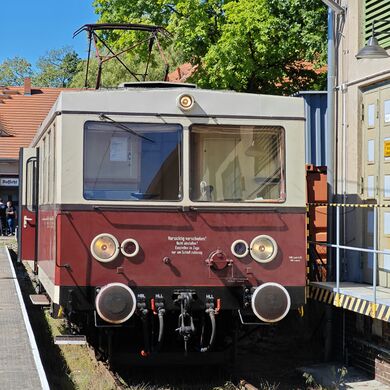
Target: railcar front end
175, 211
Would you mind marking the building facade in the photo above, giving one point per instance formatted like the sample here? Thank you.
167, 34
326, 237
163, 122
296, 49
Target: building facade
362, 136
362, 178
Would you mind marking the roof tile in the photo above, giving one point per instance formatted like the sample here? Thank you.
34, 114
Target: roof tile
21, 116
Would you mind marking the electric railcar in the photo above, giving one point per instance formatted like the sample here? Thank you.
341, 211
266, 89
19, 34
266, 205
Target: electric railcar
165, 214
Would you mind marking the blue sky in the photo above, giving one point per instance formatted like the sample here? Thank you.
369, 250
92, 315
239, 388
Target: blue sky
29, 28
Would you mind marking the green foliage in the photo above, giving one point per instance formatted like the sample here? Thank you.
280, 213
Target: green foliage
14, 70
337, 383
57, 68
247, 45
113, 72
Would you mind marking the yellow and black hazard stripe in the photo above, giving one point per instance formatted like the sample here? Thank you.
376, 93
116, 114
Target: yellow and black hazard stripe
357, 205
348, 302
321, 294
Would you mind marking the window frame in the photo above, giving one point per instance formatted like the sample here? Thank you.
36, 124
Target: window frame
31, 188
134, 201
241, 203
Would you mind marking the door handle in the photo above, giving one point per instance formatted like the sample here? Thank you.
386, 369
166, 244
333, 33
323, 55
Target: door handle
25, 220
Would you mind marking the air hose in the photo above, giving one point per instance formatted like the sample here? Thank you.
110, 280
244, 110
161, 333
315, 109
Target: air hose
211, 313
161, 313
145, 352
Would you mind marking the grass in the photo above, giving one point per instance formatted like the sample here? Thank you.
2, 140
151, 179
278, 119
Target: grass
84, 371
11, 242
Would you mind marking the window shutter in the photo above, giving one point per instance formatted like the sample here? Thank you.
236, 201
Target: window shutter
374, 10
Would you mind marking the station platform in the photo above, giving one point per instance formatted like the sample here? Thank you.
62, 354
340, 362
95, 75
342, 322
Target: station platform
20, 363
355, 297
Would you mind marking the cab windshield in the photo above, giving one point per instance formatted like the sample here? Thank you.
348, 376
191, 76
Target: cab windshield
237, 163
132, 161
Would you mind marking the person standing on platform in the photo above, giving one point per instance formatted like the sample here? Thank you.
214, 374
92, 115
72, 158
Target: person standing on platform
3, 221
10, 214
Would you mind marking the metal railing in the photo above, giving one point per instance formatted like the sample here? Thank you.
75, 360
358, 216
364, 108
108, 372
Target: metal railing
374, 251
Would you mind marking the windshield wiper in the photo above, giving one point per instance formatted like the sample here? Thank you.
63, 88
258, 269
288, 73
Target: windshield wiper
123, 127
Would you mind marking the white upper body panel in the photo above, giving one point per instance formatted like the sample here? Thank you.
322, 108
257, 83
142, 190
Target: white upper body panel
73, 109
164, 101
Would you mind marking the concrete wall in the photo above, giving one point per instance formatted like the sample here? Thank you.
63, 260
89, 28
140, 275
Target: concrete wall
367, 343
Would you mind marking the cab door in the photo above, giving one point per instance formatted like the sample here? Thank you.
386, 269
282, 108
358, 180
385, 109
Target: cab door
28, 211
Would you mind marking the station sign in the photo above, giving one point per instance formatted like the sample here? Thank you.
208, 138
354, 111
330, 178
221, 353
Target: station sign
387, 148
9, 181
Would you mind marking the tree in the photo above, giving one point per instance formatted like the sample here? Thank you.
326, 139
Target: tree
264, 47
248, 45
113, 74
57, 68
14, 70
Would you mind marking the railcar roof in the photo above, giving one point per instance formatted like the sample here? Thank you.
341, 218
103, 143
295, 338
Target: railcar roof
163, 101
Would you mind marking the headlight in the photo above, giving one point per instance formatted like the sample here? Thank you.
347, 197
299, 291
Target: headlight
105, 247
271, 302
239, 248
130, 247
115, 303
263, 249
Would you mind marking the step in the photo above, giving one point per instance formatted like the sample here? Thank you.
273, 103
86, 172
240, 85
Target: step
70, 339
39, 299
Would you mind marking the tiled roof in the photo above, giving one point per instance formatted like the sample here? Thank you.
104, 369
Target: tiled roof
182, 73
21, 115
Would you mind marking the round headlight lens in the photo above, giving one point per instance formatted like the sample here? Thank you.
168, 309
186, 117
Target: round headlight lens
271, 302
115, 303
263, 249
105, 247
239, 248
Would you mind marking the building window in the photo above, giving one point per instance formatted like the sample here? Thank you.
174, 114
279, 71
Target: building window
371, 115
386, 106
370, 186
371, 151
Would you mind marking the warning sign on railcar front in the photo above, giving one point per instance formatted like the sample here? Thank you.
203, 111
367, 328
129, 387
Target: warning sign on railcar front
187, 245
386, 147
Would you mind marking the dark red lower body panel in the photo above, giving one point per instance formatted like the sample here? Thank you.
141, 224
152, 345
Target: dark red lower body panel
174, 247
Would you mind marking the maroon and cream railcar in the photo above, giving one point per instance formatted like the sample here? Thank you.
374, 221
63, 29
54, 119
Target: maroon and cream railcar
167, 208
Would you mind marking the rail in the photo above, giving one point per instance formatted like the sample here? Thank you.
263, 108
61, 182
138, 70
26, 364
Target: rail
375, 251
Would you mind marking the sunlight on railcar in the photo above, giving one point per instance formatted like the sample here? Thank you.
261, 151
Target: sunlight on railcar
236, 163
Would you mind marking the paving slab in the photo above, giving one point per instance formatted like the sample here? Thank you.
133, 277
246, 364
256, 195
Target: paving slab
20, 363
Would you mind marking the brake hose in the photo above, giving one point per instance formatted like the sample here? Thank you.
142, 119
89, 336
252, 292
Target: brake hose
161, 313
211, 313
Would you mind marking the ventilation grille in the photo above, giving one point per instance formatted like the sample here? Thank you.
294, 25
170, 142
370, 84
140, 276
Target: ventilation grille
374, 10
